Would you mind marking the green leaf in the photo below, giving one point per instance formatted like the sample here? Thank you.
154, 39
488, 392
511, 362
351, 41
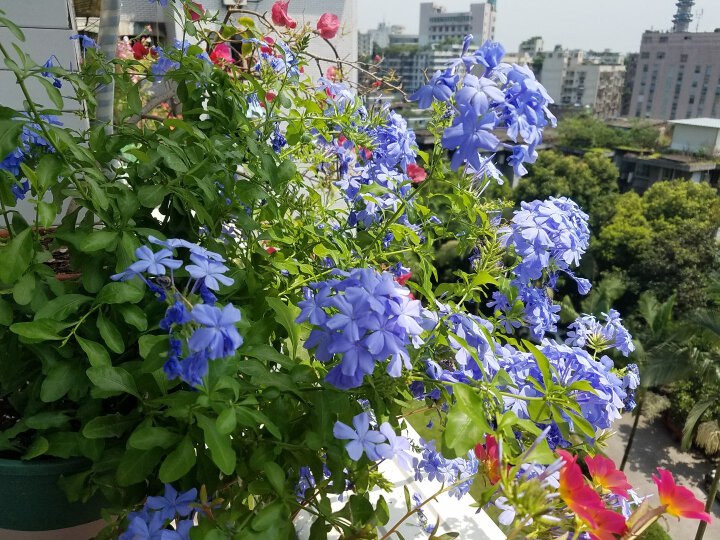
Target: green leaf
6, 313
694, 417
111, 425
133, 315
48, 171
268, 516
461, 432
39, 446
16, 257
10, 131
96, 353
14, 28
59, 381
286, 316
172, 160
226, 421
45, 420
110, 333
40, 330
46, 213
24, 289
146, 437
220, 446
382, 512
133, 99
97, 240
179, 462
113, 379
472, 405
542, 362
152, 196
52, 92
275, 476
59, 308
119, 293
137, 466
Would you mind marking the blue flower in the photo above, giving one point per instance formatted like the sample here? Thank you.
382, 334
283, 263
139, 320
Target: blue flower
396, 447
362, 438
86, 41
139, 529
172, 502
217, 336
439, 88
471, 131
209, 271
153, 263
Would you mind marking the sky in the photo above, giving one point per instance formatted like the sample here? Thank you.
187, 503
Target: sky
575, 24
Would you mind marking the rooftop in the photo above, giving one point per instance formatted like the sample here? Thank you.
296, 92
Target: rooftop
700, 122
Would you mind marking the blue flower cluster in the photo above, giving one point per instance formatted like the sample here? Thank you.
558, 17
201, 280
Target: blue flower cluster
587, 331
198, 332
490, 95
31, 142
434, 466
366, 317
548, 237
158, 513
381, 443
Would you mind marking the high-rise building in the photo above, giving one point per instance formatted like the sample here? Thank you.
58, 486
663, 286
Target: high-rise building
585, 79
532, 46
383, 37
678, 76
437, 25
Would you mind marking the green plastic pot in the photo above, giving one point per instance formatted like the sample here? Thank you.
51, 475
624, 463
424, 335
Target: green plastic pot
31, 500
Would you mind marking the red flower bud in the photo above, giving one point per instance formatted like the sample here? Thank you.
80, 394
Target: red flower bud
328, 25
280, 15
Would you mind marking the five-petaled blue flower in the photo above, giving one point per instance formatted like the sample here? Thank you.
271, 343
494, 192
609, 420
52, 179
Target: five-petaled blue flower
362, 438
217, 336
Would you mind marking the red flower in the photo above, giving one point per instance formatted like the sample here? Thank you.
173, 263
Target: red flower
605, 475
269, 96
139, 50
221, 54
490, 457
579, 497
416, 173
376, 84
328, 25
332, 73
680, 501
403, 278
194, 16
607, 524
270, 250
377, 58
280, 15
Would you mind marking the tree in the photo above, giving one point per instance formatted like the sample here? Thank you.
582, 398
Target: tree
591, 181
664, 241
584, 131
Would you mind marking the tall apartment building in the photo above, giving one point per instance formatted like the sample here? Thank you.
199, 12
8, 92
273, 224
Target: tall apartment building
678, 76
438, 25
589, 80
383, 37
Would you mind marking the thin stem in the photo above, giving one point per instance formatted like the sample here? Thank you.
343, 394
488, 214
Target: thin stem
5, 212
519, 528
709, 503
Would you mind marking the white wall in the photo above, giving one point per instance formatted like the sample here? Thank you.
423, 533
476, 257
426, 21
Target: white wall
693, 138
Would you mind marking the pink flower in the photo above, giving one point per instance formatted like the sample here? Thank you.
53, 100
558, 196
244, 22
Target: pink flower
332, 73
489, 457
679, 501
194, 16
416, 173
280, 15
221, 54
328, 25
604, 474
139, 50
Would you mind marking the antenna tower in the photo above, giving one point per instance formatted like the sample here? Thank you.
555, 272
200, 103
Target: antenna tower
683, 16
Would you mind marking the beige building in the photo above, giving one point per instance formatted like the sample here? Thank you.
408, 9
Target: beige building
678, 76
585, 80
437, 25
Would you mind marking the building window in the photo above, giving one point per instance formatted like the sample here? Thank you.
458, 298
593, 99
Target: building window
683, 58
691, 100
663, 39
645, 55
642, 170
660, 55
697, 69
645, 68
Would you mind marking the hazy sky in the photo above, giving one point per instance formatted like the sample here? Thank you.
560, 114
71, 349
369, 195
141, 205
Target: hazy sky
581, 24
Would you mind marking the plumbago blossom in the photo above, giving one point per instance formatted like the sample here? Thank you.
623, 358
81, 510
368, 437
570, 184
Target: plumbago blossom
166, 517
198, 329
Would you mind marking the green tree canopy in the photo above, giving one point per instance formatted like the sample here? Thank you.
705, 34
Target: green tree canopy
584, 131
591, 181
664, 241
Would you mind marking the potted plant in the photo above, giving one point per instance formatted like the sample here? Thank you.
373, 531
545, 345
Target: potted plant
257, 324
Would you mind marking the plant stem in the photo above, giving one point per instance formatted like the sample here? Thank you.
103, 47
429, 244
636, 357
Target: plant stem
638, 412
7, 220
518, 528
709, 503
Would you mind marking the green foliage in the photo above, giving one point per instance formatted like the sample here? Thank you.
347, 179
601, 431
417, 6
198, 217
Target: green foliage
584, 131
664, 241
591, 181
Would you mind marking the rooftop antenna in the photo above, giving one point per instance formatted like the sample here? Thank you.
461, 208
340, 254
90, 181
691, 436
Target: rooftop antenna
698, 16
683, 16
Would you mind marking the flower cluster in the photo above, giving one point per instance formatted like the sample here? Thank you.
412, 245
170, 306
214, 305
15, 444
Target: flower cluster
159, 513
380, 443
366, 317
434, 466
587, 331
500, 96
198, 332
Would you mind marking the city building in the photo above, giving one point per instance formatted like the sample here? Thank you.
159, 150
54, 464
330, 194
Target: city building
437, 25
631, 63
532, 46
678, 72
383, 37
585, 80
678, 76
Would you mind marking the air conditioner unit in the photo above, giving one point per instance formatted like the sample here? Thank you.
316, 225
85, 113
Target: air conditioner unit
238, 3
